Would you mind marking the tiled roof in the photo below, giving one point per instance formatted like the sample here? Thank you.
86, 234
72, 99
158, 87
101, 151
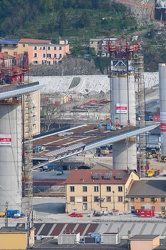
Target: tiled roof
88, 176
148, 188
29, 41
5, 56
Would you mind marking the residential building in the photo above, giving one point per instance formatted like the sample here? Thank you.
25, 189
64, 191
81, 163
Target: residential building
39, 51
98, 190
101, 45
96, 44
148, 194
19, 46
48, 53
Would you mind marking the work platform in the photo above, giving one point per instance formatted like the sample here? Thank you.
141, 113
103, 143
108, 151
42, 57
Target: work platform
72, 141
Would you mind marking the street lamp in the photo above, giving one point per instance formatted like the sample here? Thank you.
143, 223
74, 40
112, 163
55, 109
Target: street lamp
113, 200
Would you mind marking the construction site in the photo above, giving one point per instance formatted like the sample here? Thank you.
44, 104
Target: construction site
21, 142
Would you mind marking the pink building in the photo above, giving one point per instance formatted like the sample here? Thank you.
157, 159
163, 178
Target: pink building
47, 53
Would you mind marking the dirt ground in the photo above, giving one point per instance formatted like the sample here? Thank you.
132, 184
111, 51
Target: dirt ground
154, 164
106, 162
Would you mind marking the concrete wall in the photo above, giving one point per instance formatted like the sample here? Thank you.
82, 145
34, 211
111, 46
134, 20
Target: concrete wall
94, 83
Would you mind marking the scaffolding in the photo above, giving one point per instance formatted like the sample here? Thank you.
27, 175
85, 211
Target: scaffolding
28, 118
139, 76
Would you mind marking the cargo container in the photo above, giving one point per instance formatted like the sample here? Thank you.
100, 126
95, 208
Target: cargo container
67, 239
147, 213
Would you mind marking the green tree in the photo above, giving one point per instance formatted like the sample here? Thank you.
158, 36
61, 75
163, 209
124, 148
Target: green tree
84, 20
61, 21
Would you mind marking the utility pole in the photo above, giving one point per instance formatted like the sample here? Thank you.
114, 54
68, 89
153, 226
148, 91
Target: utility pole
6, 218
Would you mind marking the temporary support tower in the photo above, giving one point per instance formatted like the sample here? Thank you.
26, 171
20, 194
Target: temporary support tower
28, 109
139, 73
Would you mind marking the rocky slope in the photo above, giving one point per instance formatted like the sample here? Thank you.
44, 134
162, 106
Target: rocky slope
69, 66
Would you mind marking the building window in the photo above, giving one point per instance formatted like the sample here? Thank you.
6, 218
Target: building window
35, 62
54, 55
44, 61
60, 55
72, 189
142, 199
142, 207
108, 198
23, 45
60, 48
120, 198
48, 48
162, 208
35, 54
96, 189
85, 199
132, 208
54, 48
72, 199
44, 47
132, 199
35, 48
120, 189
162, 199
153, 207
152, 199
108, 188
84, 189
54, 62
44, 55
96, 198
48, 55
48, 62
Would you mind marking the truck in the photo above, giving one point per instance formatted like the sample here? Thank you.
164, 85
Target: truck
49, 167
13, 213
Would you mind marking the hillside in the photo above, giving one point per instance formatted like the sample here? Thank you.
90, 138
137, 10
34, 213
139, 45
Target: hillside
78, 21
75, 20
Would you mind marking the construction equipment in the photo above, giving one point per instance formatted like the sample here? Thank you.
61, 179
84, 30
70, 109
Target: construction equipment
2, 214
153, 153
104, 150
162, 214
163, 158
152, 172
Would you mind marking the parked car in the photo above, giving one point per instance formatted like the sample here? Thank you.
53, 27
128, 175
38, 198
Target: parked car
76, 214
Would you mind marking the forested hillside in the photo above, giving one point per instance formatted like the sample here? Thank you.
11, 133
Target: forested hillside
76, 20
